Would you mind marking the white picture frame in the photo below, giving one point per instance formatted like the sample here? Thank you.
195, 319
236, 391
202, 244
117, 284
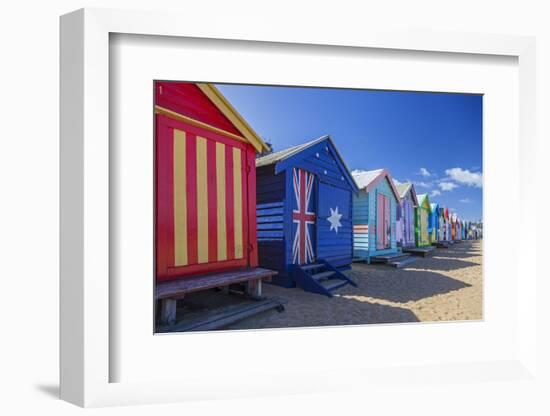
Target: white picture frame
86, 328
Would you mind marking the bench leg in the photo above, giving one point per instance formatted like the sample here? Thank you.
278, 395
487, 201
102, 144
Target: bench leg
254, 289
168, 311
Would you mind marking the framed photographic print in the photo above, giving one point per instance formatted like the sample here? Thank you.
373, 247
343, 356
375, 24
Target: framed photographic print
252, 215
233, 211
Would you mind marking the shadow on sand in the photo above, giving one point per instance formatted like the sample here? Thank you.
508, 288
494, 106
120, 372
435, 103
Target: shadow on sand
365, 304
456, 254
461, 250
402, 285
442, 263
342, 309
366, 312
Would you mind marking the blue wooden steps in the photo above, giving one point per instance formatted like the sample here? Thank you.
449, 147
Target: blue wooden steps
320, 277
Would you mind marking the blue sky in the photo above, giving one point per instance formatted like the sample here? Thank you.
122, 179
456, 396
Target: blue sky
431, 139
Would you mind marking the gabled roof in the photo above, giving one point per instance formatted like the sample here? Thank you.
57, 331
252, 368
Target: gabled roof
284, 158
422, 198
275, 157
204, 106
233, 115
367, 180
403, 188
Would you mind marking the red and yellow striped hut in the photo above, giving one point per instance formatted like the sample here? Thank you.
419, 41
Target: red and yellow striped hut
205, 183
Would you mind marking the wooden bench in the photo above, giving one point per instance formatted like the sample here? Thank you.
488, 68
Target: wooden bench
171, 291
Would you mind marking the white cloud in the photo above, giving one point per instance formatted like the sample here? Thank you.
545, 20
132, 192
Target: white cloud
423, 184
425, 172
447, 186
397, 182
464, 176
435, 192
466, 201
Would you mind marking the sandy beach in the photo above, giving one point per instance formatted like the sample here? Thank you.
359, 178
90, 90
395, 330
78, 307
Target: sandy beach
445, 286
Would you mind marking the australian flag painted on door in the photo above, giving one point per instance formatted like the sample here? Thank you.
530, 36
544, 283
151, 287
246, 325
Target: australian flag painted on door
304, 208
303, 217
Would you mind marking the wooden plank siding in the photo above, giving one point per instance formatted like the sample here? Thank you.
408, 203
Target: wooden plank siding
322, 163
269, 187
270, 217
361, 225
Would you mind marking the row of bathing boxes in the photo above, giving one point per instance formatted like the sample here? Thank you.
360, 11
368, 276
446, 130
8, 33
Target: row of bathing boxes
228, 212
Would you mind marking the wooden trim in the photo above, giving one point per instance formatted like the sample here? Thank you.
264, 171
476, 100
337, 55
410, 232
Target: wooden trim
180, 117
178, 287
232, 114
384, 174
186, 272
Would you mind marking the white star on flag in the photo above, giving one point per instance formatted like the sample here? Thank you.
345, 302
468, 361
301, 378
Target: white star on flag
334, 219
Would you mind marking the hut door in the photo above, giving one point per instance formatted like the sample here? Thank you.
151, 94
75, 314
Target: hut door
383, 230
411, 223
202, 215
423, 226
334, 233
304, 217
407, 218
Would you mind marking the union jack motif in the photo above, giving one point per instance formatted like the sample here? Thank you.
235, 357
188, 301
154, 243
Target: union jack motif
302, 247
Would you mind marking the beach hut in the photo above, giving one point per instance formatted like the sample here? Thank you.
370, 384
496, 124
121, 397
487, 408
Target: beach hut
205, 195
454, 227
441, 222
448, 227
422, 215
374, 216
405, 215
304, 209
433, 223
470, 230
